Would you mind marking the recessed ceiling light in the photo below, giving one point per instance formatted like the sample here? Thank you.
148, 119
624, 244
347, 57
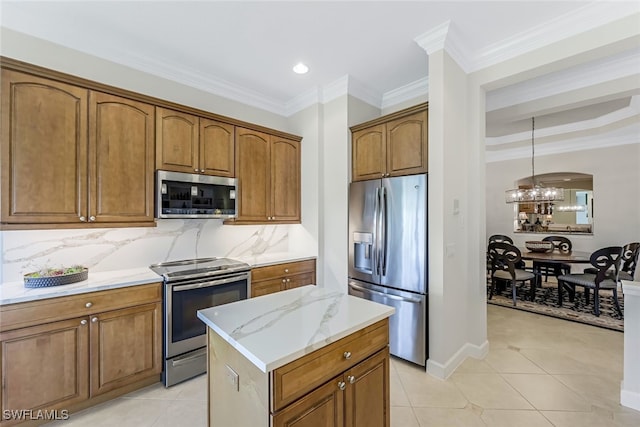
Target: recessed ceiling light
300, 68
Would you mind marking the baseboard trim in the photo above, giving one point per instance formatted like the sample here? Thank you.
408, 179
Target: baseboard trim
443, 371
630, 399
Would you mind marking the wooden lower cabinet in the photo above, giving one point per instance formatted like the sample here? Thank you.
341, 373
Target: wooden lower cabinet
44, 366
67, 364
357, 398
280, 277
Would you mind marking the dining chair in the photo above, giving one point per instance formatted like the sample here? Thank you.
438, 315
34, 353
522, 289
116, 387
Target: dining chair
504, 257
630, 255
603, 260
500, 238
560, 244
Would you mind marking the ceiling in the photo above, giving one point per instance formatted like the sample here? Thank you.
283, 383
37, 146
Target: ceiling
245, 51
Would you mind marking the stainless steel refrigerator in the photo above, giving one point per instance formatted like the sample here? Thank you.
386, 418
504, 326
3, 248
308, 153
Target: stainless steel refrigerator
388, 256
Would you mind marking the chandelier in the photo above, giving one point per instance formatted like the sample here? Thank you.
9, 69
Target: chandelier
536, 193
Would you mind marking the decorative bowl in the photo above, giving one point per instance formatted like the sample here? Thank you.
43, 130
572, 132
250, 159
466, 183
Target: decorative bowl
55, 277
539, 246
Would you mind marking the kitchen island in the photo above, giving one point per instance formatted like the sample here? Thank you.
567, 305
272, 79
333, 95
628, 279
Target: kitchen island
306, 356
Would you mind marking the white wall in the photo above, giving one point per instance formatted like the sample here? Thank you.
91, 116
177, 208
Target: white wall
616, 186
457, 302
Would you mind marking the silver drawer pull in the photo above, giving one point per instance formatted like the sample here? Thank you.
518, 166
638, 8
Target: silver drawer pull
351, 379
94, 320
88, 305
342, 385
83, 322
347, 355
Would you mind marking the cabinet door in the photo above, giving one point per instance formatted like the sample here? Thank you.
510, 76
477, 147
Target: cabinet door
285, 180
407, 147
43, 150
126, 346
121, 145
266, 287
300, 280
217, 148
323, 407
369, 153
45, 366
367, 392
176, 141
252, 170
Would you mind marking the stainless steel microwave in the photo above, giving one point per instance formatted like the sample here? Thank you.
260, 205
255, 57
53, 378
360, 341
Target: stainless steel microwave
185, 195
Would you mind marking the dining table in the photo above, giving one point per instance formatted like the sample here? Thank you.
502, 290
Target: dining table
555, 258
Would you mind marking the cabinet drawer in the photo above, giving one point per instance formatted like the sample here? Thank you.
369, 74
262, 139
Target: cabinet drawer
52, 309
284, 269
303, 375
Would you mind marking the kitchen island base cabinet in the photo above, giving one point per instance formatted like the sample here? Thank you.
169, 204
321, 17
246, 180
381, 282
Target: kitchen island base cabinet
345, 383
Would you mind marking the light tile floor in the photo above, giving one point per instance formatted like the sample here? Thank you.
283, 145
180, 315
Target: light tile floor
540, 371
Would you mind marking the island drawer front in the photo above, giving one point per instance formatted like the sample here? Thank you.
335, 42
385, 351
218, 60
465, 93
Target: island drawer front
284, 269
30, 313
305, 374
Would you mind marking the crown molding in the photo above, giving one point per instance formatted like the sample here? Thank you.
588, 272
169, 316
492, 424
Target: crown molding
418, 88
446, 36
578, 21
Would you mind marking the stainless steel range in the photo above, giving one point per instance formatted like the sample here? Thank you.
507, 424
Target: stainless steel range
191, 285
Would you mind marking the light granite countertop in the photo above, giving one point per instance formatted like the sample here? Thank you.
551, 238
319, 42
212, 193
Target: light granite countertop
14, 292
278, 328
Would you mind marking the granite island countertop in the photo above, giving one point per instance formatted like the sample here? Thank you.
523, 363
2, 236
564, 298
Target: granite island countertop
278, 328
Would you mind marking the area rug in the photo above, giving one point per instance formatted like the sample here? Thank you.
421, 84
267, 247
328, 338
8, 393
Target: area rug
546, 303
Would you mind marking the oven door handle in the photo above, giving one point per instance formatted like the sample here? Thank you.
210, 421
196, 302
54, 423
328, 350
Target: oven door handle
210, 283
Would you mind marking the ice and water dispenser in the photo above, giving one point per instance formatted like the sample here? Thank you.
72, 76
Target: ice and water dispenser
363, 252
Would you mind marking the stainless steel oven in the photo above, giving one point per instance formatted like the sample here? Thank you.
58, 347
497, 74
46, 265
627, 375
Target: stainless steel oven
191, 285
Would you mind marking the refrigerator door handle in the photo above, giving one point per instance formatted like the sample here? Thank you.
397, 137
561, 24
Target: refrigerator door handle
393, 297
383, 229
376, 247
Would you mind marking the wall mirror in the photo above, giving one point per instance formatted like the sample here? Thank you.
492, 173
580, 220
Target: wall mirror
573, 215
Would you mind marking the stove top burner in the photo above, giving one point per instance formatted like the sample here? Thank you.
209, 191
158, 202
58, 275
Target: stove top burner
200, 267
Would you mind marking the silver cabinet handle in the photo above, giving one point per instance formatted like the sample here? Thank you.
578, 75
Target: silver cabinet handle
82, 219
284, 281
94, 320
83, 322
88, 305
351, 379
286, 270
382, 294
342, 385
196, 170
92, 218
347, 355
288, 280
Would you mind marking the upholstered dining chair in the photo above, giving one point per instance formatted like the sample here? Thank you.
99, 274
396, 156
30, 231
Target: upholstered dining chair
603, 260
560, 244
504, 257
630, 255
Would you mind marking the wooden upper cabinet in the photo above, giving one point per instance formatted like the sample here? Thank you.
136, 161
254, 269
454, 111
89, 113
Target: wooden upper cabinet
268, 172
285, 180
406, 145
43, 150
369, 152
217, 148
392, 145
254, 179
72, 157
121, 147
192, 144
177, 139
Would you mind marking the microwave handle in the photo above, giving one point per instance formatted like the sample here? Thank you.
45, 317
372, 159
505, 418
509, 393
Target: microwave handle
210, 283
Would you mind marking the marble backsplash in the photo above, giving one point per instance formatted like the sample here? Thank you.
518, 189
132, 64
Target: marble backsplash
107, 249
